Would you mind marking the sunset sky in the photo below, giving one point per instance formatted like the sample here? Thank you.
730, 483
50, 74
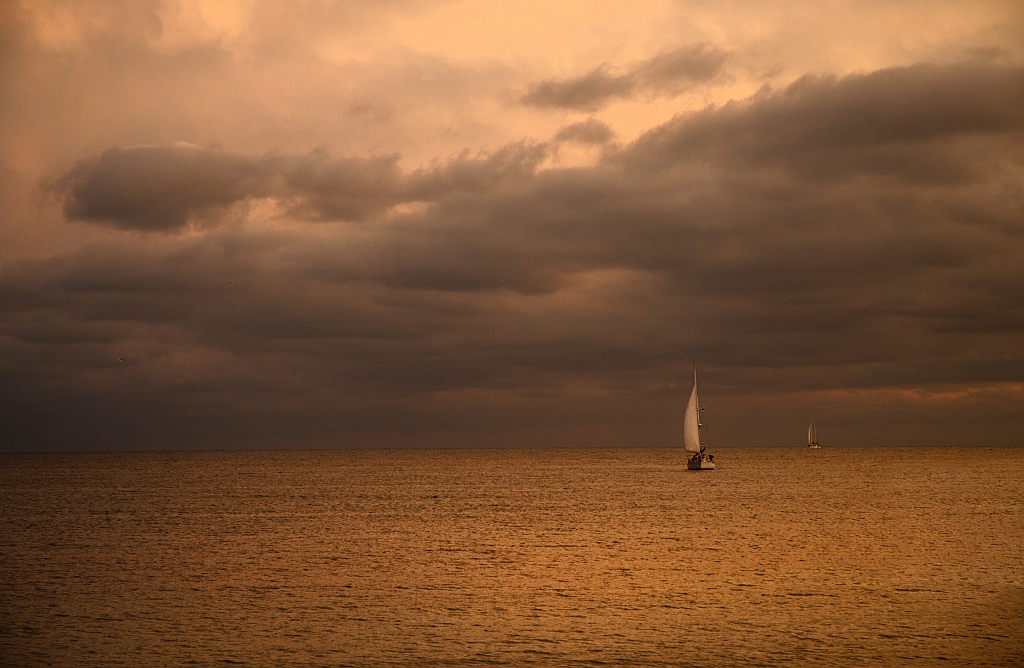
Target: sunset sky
415, 223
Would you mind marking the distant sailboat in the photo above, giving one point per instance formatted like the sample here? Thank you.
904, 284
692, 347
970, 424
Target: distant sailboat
812, 437
700, 461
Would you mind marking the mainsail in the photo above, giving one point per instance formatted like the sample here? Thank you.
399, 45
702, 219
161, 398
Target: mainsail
691, 419
812, 437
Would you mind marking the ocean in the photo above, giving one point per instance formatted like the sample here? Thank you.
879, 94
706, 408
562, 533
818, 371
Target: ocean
576, 557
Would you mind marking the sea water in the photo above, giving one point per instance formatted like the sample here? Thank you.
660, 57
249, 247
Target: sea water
828, 557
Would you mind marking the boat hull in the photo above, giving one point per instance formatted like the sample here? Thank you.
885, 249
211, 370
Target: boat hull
700, 465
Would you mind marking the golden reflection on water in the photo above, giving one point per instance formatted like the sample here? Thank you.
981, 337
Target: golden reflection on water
550, 557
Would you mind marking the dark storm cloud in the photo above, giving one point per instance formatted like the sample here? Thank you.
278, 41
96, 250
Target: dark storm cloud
828, 183
667, 73
163, 188
160, 187
853, 234
895, 122
751, 198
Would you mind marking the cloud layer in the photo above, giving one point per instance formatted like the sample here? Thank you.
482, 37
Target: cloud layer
164, 188
841, 237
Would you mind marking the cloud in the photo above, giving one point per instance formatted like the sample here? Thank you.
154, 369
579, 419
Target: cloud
164, 188
669, 73
841, 234
886, 123
590, 131
160, 188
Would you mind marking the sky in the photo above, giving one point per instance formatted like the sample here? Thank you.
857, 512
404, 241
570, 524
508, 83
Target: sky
416, 223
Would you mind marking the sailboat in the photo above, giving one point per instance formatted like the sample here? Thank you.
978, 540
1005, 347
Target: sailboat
699, 461
812, 437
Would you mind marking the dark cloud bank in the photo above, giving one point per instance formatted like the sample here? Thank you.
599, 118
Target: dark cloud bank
164, 188
849, 249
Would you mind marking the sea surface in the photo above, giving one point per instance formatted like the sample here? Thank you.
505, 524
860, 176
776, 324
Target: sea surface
779, 557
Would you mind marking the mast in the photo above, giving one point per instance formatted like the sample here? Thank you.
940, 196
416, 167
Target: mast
696, 396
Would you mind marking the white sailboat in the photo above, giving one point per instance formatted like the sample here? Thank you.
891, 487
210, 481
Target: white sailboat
700, 460
812, 437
